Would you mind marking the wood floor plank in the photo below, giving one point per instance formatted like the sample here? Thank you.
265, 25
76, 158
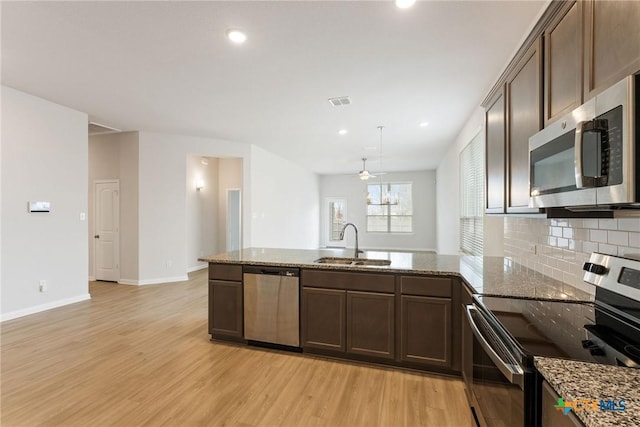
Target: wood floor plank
141, 356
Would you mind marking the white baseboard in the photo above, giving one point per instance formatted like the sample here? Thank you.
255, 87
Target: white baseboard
43, 307
157, 281
92, 278
197, 267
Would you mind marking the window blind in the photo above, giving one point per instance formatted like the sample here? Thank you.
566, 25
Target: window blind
472, 197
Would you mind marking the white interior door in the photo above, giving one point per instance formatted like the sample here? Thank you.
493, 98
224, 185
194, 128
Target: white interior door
234, 220
107, 230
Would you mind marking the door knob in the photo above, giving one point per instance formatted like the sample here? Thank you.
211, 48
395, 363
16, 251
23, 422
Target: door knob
97, 236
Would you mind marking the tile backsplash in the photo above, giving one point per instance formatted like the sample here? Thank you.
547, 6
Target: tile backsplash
559, 247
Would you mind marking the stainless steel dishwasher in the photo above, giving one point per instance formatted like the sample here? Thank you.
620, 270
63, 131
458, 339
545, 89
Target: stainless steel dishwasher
272, 305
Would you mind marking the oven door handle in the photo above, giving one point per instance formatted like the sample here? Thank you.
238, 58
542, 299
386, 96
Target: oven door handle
512, 371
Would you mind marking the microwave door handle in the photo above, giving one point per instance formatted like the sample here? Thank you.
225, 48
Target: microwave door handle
599, 126
511, 371
579, 167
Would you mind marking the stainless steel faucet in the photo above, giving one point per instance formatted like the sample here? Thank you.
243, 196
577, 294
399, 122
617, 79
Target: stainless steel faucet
356, 229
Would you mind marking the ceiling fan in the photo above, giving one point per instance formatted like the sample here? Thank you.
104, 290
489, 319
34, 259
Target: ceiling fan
364, 174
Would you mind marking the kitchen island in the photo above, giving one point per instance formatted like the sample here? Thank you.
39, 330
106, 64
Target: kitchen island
494, 276
406, 314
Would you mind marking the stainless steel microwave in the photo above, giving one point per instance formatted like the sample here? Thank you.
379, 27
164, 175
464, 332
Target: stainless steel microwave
589, 158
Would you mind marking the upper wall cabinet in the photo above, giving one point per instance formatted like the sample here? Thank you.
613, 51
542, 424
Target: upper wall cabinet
576, 50
524, 118
495, 144
563, 62
612, 37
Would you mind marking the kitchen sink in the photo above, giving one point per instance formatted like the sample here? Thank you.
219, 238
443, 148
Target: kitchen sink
353, 261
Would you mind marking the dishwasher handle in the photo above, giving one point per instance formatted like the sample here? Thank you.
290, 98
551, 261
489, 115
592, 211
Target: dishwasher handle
271, 271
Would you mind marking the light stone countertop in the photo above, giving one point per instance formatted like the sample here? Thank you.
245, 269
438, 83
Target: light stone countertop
494, 276
591, 381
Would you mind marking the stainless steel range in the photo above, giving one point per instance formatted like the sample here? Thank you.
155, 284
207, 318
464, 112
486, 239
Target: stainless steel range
504, 334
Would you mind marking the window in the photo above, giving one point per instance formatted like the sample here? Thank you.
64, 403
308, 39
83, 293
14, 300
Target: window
472, 197
337, 214
389, 218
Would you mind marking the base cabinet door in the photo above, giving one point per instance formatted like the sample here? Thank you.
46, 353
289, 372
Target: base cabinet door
370, 324
323, 319
426, 330
225, 308
551, 417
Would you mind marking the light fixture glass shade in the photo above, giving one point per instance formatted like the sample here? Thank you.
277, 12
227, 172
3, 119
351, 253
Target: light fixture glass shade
236, 36
199, 184
405, 4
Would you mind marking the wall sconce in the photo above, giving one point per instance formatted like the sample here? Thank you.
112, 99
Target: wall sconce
199, 184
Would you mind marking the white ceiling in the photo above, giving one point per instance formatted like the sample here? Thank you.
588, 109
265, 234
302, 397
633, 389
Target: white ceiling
167, 67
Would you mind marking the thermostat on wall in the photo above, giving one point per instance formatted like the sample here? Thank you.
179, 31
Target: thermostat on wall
39, 206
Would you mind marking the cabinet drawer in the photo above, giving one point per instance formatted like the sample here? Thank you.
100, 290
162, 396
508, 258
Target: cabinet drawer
231, 272
426, 286
349, 281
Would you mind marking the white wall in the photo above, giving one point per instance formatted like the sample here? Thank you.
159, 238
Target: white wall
44, 147
448, 195
202, 210
115, 156
354, 190
162, 208
284, 203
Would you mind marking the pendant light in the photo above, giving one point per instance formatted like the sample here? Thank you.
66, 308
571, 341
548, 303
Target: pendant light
386, 197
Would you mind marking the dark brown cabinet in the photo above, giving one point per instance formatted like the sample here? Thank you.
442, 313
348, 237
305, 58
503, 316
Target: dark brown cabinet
371, 324
588, 46
512, 114
612, 38
524, 118
349, 313
552, 417
426, 330
426, 322
495, 147
225, 301
323, 319
563, 62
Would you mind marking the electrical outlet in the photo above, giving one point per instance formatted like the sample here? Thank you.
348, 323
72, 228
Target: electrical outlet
43, 286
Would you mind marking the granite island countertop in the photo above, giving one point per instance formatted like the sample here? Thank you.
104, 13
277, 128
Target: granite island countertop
591, 381
493, 276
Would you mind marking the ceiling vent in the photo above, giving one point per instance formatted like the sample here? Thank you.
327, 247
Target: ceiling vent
343, 100
98, 129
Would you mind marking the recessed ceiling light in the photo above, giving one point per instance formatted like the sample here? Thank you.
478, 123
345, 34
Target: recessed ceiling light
424, 124
405, 4
342, 131
236, 36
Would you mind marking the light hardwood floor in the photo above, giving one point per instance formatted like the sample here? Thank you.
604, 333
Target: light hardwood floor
141, 356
